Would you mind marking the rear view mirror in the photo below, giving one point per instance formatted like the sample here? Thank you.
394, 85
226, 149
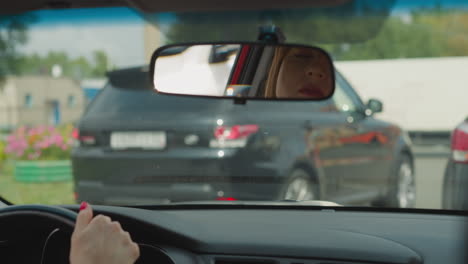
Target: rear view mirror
244, 71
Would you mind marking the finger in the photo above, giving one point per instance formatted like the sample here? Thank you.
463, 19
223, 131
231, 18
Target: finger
101, 223
116, 227
84, 217
102, 220
127, 238
134, 250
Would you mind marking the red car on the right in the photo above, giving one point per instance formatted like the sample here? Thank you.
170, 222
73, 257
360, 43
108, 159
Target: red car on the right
455, 189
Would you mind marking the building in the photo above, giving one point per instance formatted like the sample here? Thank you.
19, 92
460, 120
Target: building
34, 100
414, 91
152, 39
91, 88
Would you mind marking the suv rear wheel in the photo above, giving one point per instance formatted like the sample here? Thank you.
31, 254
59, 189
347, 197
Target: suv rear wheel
299, 187
403, 193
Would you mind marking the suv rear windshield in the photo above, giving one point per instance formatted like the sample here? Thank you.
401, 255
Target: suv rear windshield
113, 100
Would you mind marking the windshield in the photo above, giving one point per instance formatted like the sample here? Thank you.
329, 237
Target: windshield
80, 120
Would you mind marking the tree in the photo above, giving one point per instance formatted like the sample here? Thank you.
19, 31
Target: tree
397, 39
347, 33
80, 68
13, 33
452, 28
425, 33
75, 68
101, 63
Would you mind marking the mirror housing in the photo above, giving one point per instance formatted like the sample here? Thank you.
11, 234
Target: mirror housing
243, 71
375, 106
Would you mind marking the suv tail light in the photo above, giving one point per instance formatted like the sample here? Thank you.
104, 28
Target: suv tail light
232, 137
226, 199
460, 144
235, 132
83, 140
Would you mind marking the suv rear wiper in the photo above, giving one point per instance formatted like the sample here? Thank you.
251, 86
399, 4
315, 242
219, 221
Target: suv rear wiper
241, 202
5, 201
312, 202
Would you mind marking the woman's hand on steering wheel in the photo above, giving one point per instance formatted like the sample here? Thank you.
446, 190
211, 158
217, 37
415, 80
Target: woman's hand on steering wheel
100, 240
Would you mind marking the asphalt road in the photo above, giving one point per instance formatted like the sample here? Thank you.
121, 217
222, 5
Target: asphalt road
430, 166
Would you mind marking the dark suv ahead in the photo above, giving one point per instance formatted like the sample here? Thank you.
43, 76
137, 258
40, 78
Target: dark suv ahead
139, 147
455, 189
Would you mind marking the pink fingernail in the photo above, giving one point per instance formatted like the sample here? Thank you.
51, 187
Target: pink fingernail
83, 205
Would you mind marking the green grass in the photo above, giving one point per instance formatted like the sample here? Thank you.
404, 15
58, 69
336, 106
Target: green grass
33, 193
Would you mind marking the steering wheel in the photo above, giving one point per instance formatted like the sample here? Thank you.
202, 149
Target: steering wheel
61, 216
20, 221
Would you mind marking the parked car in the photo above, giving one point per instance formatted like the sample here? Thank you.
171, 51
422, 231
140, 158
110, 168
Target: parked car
455, 189
137, 147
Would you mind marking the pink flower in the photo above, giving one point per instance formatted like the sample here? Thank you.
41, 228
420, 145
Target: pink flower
28, 142
17, 145
40, 130
32, 132
21, 130
11, 137
43, 144
57, 139
46, 144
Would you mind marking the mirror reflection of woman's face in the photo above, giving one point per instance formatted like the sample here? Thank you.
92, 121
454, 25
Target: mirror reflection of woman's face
304, 73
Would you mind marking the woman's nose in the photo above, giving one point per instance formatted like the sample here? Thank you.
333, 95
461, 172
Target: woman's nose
315, 73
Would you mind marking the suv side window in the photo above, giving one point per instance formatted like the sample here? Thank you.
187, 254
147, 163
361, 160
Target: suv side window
344, 99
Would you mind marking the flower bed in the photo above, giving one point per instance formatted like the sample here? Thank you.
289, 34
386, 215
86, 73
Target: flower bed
41, 154
43, 171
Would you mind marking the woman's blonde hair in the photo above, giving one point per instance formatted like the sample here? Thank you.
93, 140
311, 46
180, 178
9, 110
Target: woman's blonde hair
272, 79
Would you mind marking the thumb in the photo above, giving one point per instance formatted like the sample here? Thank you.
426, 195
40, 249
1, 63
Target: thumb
84, 217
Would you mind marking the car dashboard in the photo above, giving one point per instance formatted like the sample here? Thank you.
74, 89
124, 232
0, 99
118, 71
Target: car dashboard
268, 235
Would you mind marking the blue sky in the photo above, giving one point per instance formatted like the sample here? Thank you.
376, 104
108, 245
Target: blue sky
87, 16
429, 3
